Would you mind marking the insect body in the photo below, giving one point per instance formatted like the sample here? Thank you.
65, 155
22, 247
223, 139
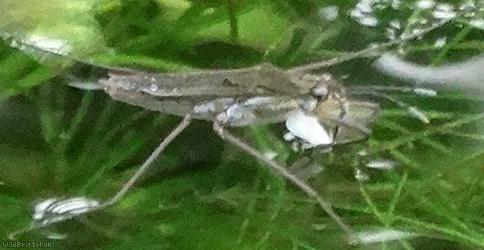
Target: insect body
256, 95
240, 97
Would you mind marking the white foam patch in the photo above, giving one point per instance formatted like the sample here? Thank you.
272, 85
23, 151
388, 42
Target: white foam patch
441, 42
56, 46
270, 154
418, 114
308, 128
444, 11
379, 236
425, 4
76, 205
41, 208
329, 13
477, 23
381, 164
425, 92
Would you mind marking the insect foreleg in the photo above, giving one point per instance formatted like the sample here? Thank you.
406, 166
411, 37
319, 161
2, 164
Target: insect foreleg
276, 167
350, 124
365, 90
412, 110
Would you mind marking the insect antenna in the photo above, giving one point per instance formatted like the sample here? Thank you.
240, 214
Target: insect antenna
379, 91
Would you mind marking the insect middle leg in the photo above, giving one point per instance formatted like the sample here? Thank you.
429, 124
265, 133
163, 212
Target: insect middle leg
148, 162
279, 169
121, 193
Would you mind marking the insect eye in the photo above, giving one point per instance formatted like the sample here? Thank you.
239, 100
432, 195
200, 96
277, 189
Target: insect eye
320, 91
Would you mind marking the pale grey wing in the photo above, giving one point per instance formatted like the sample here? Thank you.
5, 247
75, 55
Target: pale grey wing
167, 106
249, 111
241, 112
355, 125
264, 110
264, 79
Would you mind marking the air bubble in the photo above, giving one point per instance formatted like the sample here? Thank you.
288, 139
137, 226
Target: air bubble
418, 114
154, 87
361, 176
439, 43
381, 164
425, 4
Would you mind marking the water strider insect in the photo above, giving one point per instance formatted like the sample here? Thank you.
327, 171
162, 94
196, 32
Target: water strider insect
306, 102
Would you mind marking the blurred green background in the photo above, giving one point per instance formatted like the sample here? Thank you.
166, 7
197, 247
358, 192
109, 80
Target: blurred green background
56, 141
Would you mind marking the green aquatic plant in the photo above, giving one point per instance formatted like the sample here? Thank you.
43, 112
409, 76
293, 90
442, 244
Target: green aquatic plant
204, 194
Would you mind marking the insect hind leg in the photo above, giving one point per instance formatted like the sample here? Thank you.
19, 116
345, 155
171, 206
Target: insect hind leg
279, 169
